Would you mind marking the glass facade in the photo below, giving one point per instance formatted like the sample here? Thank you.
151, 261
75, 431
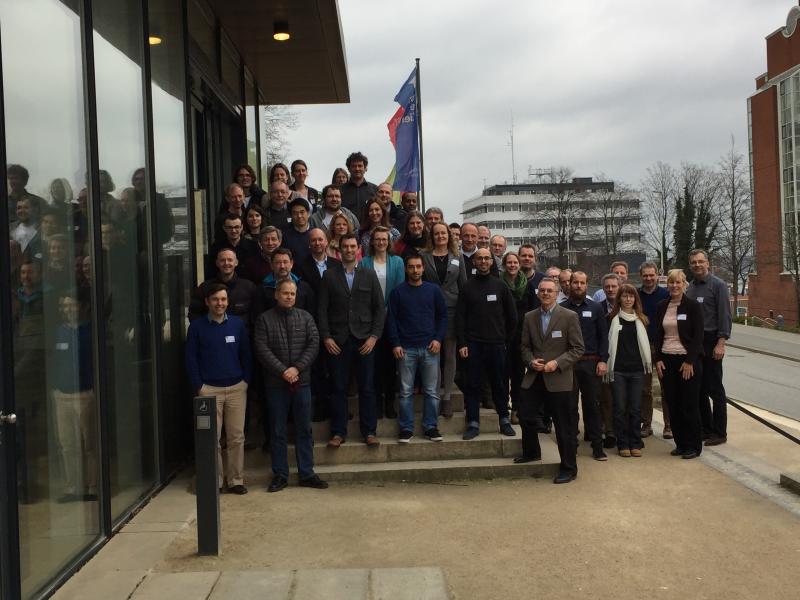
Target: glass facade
114, 145
789, 115
55, 392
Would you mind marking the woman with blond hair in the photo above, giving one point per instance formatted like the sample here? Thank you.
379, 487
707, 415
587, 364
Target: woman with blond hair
679, 355
339, 226
628, 360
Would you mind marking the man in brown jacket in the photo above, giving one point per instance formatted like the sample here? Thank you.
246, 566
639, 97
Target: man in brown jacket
551, 344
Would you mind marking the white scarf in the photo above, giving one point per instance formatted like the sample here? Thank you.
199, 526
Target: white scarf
641, 338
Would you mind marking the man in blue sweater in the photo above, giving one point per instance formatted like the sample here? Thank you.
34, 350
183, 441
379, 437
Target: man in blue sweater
416, 327
219, 363
652, 295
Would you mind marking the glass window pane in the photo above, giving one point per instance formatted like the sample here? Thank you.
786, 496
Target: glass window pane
172, 226
251, 117
126, 241
52, 332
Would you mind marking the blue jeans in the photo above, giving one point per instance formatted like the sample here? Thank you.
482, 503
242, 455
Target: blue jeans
339, 367
489, 359
280, 401
428, 364
627, 391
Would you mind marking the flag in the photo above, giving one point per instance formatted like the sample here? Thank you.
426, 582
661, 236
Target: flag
403, 135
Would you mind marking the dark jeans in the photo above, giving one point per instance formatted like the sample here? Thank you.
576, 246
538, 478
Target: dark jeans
488, 359
515, 370
281, 402
715, 420
339, 367
588, 383
684, 403
563, 407
385, 375
320, 386
627, 391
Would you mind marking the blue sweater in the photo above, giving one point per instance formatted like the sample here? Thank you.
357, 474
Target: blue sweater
395, 273
218, 353
417, 315
650, 304
73, 359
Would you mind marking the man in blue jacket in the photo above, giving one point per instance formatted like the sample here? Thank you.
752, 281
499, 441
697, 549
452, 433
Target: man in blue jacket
416, 327
219, 363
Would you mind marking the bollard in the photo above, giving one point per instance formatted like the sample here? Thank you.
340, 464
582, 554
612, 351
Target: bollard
206, 474
780, 322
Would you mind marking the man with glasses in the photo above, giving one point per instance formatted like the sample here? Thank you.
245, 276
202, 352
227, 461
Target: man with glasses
233, 240
551, 344
485, 321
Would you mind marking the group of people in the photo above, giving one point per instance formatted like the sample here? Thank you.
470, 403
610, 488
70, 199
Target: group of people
307, 288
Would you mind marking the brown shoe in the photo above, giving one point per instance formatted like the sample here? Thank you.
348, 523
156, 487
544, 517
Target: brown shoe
625, 453
716, 440
646, 431
514, 418
667, 433
636, 453
335, 441
372, 441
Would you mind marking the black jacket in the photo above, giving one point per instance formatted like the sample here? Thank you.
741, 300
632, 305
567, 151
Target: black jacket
485, 312
307, 271
690, 329
358, 312
286, 338
244, 301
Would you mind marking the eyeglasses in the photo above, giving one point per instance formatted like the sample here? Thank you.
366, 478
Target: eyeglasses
543, 291
483, 258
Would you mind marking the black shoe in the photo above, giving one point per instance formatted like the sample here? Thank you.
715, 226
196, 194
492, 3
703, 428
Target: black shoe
278, 483
507, 429
526, 459
314, 482
471, 433
434, 435
90, 497
716, 440
239, 490
598, 454
610, 442
690, 455
405, 436
564, 478
677, 452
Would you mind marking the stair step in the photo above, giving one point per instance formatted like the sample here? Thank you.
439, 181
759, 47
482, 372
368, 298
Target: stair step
387, 428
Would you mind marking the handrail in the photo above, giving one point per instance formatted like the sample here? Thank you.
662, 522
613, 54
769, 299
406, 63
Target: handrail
763, 421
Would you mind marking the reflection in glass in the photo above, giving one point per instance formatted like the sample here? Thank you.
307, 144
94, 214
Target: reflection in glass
52, 330
125, 250
172, 231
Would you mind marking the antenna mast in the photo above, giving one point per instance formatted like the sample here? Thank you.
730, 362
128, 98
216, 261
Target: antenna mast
513, 164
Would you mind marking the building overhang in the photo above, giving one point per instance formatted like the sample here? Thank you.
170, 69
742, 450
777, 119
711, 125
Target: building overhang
309, 68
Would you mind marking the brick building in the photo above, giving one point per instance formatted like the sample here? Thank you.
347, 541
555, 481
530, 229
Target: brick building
774, 131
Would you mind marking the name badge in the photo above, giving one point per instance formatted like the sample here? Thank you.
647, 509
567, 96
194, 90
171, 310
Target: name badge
230, 339
62, 346
587, 313
455, 262
491, 298
474, 271
557, 333
700, 299
681, 317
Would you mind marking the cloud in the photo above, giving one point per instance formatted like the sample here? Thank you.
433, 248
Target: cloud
602, 86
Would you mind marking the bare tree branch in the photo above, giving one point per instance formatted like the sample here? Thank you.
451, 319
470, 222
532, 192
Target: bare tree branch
659, 191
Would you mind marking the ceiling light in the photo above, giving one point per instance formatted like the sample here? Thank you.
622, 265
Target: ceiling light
281, 31
154, 39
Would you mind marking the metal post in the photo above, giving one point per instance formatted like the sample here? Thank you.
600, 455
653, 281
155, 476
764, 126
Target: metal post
423, 198
206, 475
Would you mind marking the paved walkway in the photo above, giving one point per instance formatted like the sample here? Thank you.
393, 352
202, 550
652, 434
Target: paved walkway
768, 341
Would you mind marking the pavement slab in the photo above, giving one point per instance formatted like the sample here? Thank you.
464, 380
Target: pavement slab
186, 586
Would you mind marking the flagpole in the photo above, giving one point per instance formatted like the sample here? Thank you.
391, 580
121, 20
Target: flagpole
419, 135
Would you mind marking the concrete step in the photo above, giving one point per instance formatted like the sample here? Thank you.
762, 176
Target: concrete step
388, 427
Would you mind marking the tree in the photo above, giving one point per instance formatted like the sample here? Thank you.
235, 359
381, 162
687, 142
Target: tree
735, 218
683, 231
659, 191
278, 121
561, 213
703, 187
611, 210
791, 254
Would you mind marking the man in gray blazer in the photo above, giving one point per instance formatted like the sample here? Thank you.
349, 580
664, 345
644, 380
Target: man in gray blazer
350, 316
551, 344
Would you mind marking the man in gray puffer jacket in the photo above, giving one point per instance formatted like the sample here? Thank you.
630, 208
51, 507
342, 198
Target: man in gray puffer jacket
286, 343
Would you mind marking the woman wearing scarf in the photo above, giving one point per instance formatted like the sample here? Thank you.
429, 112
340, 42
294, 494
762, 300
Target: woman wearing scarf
515, 369
415, 238
444, 266
628, 360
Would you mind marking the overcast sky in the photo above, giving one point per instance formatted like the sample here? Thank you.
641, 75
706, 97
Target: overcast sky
600, 86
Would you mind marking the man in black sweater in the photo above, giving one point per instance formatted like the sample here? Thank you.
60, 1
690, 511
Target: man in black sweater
486, 318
